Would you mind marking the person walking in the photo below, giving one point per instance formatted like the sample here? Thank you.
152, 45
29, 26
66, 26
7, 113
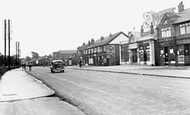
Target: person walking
80, 63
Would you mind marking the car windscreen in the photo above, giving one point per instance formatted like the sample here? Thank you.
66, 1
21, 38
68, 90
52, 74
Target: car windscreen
58, 65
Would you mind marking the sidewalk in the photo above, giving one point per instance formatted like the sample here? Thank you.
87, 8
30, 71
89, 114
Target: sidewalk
161, 71
22, 94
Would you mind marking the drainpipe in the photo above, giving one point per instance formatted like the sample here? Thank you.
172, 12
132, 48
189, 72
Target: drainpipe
120, 55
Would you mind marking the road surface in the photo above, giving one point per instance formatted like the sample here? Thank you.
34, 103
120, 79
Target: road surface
118, 94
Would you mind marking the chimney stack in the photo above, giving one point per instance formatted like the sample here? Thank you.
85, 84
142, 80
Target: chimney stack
142, 29
89, 43
102, 38
180, 7
92, 41
110, 35
83, 44
151, 28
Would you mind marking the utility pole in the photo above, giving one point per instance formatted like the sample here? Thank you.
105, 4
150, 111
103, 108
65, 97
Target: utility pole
16, 54
5, 32
9, 58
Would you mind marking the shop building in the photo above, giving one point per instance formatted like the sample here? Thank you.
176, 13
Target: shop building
182, 36
140, 48
147, 47
173, 42
129, 49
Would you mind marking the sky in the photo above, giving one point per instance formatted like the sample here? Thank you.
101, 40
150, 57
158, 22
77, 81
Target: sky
46, 26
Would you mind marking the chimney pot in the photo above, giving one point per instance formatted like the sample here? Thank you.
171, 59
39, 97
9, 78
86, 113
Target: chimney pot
151, 28
180, 7
102, 38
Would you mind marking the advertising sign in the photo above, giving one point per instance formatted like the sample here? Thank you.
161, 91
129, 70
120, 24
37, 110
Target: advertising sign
155, 18
110, 51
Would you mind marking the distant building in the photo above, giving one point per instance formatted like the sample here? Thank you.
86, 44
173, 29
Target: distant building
68, 56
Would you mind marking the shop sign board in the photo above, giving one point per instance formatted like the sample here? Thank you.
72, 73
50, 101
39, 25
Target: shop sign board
184, 41
110, 51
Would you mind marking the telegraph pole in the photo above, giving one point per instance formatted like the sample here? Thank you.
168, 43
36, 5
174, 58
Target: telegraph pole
9, 58
16, 54
5, 32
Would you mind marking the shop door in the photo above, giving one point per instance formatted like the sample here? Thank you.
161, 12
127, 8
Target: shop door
134, 55
187, 54
166, 56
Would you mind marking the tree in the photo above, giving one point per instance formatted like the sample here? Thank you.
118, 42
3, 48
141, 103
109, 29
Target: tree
35, 55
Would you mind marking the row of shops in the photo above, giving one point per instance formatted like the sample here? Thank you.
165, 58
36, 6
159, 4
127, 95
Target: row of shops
167, 43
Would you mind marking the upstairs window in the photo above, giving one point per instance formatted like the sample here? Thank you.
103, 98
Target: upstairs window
166, 32
184, 28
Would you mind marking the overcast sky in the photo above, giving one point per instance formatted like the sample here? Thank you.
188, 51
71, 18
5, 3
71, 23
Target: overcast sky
45, 26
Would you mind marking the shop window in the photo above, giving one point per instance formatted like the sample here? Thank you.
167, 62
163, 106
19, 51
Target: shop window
166, 32
180, 50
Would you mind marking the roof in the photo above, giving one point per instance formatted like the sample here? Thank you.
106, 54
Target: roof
106, 40
184, 16
67, 51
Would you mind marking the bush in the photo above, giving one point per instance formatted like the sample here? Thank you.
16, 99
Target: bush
5, 69
2, 70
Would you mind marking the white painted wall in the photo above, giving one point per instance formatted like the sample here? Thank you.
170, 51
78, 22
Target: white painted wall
119, 39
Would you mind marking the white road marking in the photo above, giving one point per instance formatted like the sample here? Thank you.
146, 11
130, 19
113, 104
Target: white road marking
166, 87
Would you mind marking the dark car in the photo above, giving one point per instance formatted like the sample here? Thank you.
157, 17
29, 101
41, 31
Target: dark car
57, 66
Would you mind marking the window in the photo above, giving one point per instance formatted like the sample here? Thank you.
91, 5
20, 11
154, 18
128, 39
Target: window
166, 32
105, 48
184, 28
100, 49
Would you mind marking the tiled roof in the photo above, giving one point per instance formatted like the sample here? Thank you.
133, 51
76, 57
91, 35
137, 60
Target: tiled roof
67, 51
184, 16
106, 40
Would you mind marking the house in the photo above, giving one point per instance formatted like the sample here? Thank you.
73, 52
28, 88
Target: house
104, 51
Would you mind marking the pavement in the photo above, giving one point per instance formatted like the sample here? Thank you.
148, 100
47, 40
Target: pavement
182, 72
22, 94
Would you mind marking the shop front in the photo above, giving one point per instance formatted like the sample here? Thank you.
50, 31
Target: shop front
133, 53
146, 52
167, 53
183, 52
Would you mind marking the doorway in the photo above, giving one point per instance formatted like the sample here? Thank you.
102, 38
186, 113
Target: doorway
134, 55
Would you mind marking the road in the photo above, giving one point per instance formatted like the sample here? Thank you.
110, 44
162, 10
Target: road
118, 94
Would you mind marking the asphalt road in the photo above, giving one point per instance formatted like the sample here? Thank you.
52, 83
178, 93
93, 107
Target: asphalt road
118, 94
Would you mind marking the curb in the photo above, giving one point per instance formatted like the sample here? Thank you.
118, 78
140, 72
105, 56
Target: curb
134, 73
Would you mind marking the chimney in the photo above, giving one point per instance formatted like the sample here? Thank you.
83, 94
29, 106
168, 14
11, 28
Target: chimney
102, 38
151, 28
110, 35
142, 29
92, 41
89, 43
180, 7
83, 44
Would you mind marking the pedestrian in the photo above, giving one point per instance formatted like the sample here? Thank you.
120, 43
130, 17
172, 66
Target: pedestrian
80, 63
30, 67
